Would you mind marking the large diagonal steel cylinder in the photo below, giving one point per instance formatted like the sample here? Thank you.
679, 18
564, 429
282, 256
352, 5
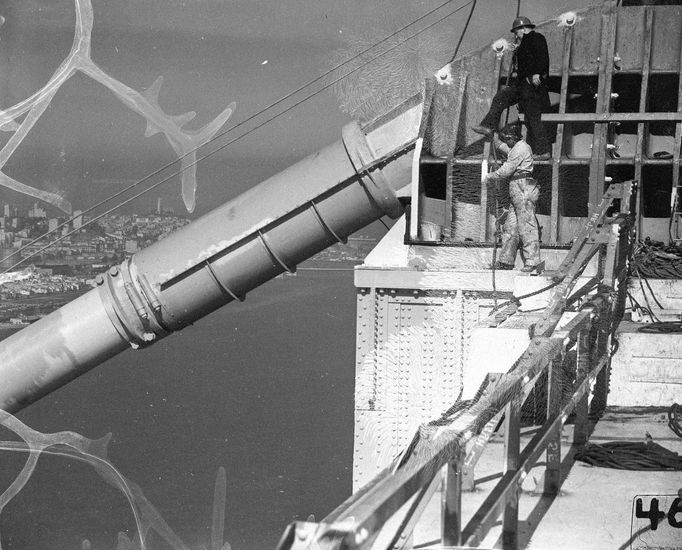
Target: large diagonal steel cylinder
214, 260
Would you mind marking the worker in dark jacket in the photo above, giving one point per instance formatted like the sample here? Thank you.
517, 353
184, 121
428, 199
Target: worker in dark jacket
527, 87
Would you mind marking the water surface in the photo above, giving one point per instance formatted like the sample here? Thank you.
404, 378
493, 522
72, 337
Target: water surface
263, 388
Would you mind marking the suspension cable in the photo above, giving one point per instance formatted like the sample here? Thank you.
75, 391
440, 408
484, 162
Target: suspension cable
251, 117
219, 148
464, 30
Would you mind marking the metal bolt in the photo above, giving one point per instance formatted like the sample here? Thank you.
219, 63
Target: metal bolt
113, 271
99, 279
361, 536
302, 532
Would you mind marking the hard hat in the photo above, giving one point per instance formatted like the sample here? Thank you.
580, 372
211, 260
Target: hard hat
511, 130
521, 22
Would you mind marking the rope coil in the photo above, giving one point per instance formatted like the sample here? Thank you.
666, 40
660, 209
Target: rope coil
653, 259
626, 455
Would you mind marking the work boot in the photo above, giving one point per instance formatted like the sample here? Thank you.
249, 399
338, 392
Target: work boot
531, 268
483, 130
501, 266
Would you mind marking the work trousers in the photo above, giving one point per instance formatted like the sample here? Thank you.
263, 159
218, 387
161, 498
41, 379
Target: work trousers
521, 224
532, 102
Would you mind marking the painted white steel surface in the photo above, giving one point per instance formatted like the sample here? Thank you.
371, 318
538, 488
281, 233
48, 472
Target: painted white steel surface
646, 370
55, 349
411, 347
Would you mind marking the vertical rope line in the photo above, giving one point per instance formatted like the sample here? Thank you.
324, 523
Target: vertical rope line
464, 30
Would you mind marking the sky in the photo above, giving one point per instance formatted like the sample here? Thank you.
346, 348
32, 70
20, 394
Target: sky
88, 144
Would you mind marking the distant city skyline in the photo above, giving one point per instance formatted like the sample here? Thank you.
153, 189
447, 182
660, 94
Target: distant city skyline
37, 209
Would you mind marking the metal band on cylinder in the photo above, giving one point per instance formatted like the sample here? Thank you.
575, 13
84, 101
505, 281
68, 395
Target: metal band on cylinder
373, 181
132, 306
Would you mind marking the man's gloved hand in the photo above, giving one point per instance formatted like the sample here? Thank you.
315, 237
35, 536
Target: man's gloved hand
536, 80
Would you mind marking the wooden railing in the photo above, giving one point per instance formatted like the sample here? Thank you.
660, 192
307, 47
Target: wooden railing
384, 513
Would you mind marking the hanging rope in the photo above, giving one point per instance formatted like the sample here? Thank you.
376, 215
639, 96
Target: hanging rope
625, 455
498, 224
464, 30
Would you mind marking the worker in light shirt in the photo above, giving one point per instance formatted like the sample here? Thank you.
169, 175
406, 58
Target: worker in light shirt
520, 223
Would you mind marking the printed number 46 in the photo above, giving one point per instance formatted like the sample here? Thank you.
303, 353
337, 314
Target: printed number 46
655, 515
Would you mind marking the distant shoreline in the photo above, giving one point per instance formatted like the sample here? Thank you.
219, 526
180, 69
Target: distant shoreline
8, 331
329, 264
44, 303
55, 300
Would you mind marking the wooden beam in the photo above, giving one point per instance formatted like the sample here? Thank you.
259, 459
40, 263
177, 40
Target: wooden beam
642, 139
612, 117
559, 142
402, 537
448, 231
609, 20
552, 474
483, 229
451, 504
674, 195
512, 444
583, 361
484, 518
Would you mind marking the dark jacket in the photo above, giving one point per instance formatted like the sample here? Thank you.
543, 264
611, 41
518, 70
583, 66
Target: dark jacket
532, 56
